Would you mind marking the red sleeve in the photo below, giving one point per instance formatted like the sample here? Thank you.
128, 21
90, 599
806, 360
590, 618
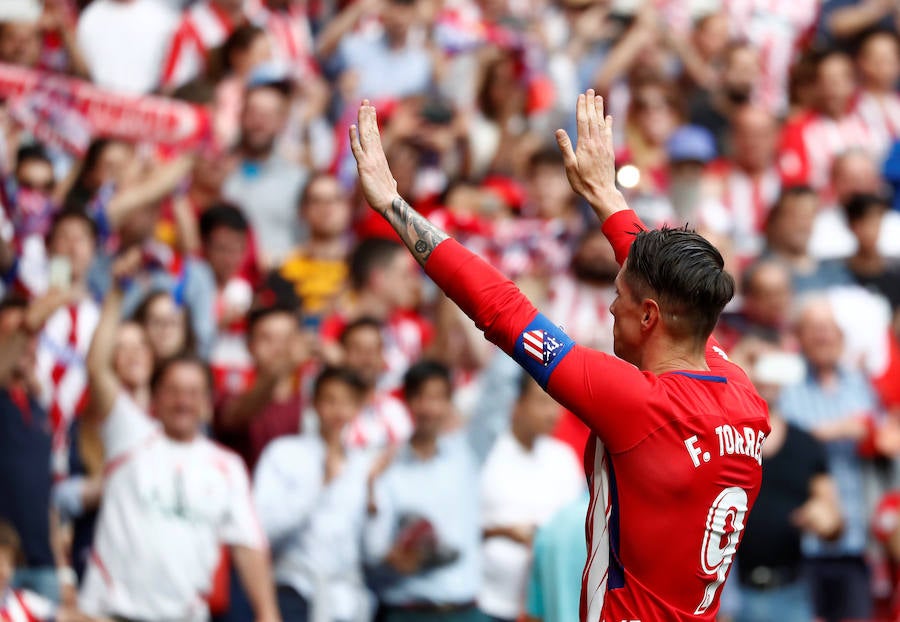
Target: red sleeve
493, 302
608, 394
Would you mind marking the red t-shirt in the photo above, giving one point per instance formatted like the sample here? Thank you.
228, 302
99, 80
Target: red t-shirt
674, 460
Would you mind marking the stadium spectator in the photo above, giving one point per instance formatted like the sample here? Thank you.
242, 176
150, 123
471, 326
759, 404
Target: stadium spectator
853, 172
834, 404
788, 230
526, 478
64, 342
225, 236
811, 140
270, 407
19, 604
869, 267
178, 496
423, 534
746, 183
383, 420
559, 558
77, 498
389, 61
386, 285
311, 496
167, 325
318, 267
764, 315
124, 43
716, 109
25, 442
798, 497
878, 104
204, 27
264, 182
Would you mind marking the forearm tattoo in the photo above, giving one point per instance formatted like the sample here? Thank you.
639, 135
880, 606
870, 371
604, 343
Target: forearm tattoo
420, 236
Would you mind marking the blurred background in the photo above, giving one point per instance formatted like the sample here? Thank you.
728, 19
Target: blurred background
211, 135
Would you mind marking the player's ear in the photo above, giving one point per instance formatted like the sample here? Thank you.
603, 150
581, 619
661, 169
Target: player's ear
649, 314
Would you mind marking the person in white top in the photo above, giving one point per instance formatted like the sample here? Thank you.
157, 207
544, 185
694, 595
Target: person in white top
854, 172
172, 498
124, 43
527, 477
311, 493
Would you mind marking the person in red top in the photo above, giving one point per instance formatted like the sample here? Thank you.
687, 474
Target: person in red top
675, 457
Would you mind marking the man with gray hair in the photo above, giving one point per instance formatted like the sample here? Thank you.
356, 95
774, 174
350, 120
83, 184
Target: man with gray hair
838, 407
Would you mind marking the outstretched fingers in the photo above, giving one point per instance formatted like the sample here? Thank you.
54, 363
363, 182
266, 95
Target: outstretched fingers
581, 118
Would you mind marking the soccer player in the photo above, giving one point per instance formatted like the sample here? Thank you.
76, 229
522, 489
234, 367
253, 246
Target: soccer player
675, 457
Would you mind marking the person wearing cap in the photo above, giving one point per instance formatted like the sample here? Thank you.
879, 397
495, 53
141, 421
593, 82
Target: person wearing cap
265, 184
798, 496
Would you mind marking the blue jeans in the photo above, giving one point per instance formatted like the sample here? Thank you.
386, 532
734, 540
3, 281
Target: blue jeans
789, 603
41, 581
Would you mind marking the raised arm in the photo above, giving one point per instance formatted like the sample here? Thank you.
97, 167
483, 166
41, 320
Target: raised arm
15, 340
102, 381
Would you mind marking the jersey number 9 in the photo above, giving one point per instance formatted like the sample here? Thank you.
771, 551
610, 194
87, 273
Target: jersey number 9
724, 525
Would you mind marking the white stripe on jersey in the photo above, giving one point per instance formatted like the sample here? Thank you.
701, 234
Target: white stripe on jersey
596, 571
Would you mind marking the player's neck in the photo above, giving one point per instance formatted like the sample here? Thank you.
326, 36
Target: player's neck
523, 437
664, 355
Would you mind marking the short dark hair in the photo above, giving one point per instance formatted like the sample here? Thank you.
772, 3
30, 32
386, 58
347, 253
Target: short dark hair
32, 153
307, 187
9, 540
546, 156
344, 375
525, 385
225, 215
185, 358
72, 213
423, 371
748, 276
685, 274
13, 301
260, 313
858, 206
370, 255
787, 194
366, 321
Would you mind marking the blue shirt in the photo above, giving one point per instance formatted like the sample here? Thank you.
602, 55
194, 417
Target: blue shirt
808, 404
444, 490
560, 552
386, 72
315, 529
25, 479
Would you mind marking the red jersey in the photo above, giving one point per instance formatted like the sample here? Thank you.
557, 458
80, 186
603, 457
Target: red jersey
675, 460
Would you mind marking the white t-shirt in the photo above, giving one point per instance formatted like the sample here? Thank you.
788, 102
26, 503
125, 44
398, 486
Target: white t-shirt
124, 42
520, 487
168, 508
832, 239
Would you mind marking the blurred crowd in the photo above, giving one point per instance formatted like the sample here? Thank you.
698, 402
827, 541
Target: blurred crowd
226, 390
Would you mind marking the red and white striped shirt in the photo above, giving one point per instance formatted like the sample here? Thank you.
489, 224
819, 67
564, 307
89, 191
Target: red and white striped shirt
775, 28
203, 27
881, 116
747, 201
61, 353
810, 142
24, 606
291, 37
383, 422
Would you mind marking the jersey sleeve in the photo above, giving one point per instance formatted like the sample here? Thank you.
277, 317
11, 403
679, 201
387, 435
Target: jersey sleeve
578, 378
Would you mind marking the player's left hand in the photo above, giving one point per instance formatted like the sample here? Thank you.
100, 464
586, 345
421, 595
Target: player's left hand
378, 184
